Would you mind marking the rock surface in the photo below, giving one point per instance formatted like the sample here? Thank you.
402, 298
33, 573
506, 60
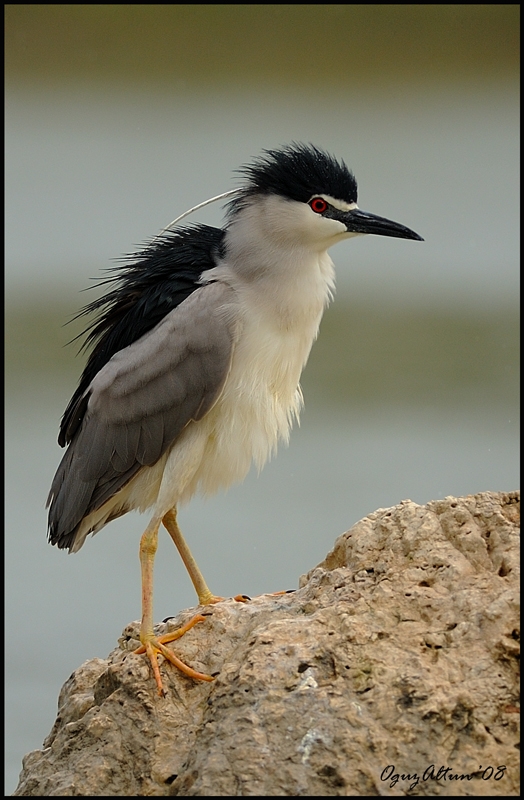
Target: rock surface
398, 652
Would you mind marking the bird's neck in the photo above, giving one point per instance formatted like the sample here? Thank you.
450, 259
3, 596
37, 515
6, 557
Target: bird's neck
290, 283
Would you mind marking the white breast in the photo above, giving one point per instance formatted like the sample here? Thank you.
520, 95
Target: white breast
261, 397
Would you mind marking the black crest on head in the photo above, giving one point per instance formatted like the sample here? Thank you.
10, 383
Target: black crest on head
297, 172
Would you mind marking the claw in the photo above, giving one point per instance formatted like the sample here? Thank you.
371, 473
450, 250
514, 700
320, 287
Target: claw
153, 645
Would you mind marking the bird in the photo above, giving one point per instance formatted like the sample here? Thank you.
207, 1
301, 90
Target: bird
196, 353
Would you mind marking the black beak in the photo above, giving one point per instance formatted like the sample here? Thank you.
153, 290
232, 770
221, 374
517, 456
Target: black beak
358, 221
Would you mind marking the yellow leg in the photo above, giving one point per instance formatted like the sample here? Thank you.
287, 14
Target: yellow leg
151, 644
205, 596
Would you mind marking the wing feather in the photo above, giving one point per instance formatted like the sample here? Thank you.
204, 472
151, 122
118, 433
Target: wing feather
141, 400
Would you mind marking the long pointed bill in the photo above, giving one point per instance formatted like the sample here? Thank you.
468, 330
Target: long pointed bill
357, 221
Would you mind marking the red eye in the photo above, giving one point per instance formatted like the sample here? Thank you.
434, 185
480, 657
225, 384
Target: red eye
318, 204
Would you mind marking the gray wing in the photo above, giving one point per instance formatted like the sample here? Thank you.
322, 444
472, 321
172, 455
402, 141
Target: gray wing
140, 402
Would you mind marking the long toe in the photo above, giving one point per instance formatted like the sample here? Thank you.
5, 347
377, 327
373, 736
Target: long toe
154, 646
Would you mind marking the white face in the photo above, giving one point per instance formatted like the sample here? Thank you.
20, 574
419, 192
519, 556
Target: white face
341, 205
296, 224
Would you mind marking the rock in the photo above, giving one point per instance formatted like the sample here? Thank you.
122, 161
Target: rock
392, 670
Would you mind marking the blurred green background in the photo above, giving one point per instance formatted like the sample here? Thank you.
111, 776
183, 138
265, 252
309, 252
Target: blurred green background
312, 45
120, 117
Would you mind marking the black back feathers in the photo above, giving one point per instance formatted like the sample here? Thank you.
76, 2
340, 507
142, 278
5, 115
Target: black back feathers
155, 282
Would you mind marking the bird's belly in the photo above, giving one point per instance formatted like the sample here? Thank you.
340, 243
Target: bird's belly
257, 407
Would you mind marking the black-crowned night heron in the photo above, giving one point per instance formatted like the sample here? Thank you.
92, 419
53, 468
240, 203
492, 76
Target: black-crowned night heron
198, 351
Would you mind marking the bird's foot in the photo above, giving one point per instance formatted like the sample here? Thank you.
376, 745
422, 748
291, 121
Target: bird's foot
153, 645
209, 599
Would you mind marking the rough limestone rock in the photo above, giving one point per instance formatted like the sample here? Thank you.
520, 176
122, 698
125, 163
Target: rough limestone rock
392, 670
